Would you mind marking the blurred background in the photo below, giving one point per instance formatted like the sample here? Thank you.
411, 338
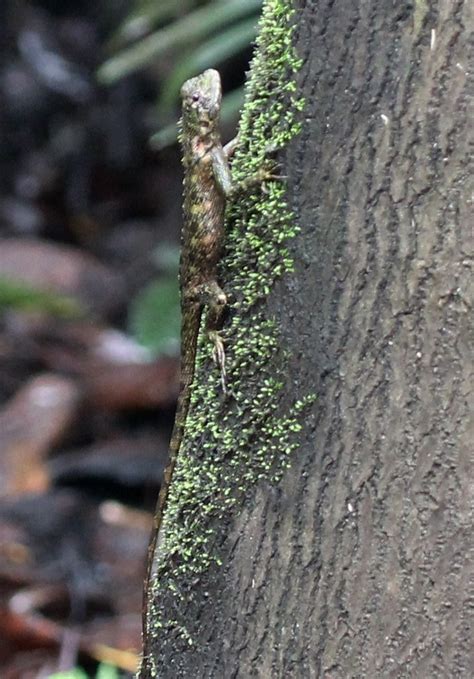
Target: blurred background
90, 216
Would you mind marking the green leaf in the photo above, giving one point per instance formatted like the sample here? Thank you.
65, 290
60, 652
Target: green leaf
143, 17
75, 673
165, 137
103, 672
107, 672
166, 257
154, 317
21, 296
191, 28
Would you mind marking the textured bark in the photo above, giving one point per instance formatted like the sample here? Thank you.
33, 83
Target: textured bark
356, 564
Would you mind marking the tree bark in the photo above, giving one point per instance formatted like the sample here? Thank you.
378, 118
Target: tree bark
355, 562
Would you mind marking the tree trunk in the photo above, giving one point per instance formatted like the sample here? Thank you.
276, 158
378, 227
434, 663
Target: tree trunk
321, 518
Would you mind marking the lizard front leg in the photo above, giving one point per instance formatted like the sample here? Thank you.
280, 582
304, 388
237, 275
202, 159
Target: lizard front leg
223, 177
229, 148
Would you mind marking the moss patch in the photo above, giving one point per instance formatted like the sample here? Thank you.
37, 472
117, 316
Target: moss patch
233, 442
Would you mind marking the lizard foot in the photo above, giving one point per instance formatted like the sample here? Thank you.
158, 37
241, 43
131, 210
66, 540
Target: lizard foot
218, 355
269, 172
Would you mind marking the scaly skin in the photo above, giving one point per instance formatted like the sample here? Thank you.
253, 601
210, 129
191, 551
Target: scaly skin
207, 183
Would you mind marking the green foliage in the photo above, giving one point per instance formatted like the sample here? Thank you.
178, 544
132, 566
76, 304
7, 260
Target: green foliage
103, 672
179, 34
146, 15
107, 672
21, 296
166, 257
204, 37
76, 673
154, 317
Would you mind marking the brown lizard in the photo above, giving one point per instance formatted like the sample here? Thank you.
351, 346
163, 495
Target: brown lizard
207, 184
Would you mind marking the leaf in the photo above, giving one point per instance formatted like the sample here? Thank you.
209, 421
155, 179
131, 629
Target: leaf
166, 257
105, 671
23, 297
75, 673
143, 17
155, 318
191, 28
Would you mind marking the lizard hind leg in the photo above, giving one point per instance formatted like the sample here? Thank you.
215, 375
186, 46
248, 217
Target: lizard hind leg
214, 298
218, 355
216, 307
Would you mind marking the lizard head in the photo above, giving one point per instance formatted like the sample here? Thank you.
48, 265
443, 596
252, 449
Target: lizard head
202, 99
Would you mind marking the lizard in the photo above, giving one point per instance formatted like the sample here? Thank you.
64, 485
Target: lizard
207, 186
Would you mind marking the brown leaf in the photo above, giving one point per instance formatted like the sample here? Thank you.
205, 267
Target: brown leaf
31, 423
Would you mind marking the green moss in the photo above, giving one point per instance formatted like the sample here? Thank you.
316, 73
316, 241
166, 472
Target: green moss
233, 442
